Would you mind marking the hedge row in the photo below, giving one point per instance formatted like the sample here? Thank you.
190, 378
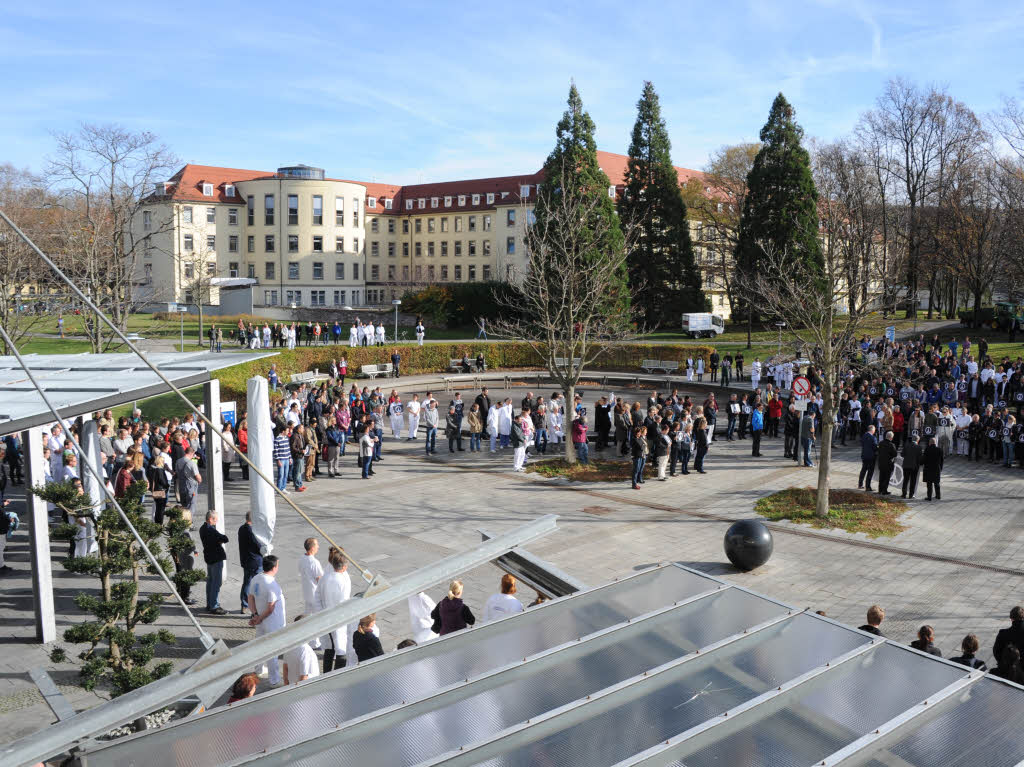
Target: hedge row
434, 358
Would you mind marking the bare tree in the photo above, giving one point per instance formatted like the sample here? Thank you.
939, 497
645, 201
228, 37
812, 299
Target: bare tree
563, 308
196, 272
102, 174
812, 305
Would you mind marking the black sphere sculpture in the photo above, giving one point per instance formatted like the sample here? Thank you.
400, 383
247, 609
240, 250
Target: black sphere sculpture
748, 544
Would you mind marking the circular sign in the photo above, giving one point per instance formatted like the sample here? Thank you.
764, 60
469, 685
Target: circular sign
873, 390
992, 434
801, 386
890, 391
915, 433
1002, 403
905, 396
1006, 431
1019, 396
747, 410
944, 422
962, 434
1020, 436
928, 431
582, 411
962, 386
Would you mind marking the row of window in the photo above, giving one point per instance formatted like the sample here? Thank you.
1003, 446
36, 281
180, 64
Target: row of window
316, 297
316, 210
431, 272
317, 246
435, 202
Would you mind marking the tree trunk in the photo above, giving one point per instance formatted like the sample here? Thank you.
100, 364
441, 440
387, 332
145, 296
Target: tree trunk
570, 450
824, 465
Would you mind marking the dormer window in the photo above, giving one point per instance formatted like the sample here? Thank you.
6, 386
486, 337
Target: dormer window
476, 199
448, 201
504, 195
387, 203
611, 191
207, 189
229, 190
435, 201
490, 198
422, 202
524, 190
462, 199
161, 188
408, 204
371, 202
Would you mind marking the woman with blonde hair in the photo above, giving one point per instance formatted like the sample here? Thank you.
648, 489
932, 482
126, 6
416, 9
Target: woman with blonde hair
451, 613
503, 603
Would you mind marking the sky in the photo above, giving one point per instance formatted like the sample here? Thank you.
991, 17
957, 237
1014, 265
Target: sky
409, 92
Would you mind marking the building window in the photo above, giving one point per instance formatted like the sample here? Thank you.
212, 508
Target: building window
375, 272
211, 242
462, 199
391, 250
391, 272
339, 298
405, 226
232, 216
375, 249
444, 223
355, 211
472, 273
355, 245
387, 203
419, 249
487, 272
250, 244
250, 271
490, 198
208, 190
355, 274
433, 202
269, 270
458, 272
444, 248
268, 243
419, 273
430, 250
229, 190
293, 270
510, 217
293, 243
270, 297
405, 273
233, 243
444, 272
293, 210
190, 270
487, 223
186, 214
339, 244
318, 298
487, 248
374, 226
430, 273
339, 271
339, 211
472, 248
293, 297
458, 223
458, 248
318, 209
371, 202
318, 243
472, 223
431, 225
268, 210
355, 298
233, 269
211, 215
421, 203
510, 245
476, 199
405, 250
147, 220
250, 210
188, 243
448, 201
419, 225
189, 296
318, 270
408, 204
391, 226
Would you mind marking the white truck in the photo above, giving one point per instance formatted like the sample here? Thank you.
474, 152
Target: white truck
703, 325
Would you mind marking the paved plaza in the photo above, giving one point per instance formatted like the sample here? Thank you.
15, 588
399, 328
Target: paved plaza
955, 567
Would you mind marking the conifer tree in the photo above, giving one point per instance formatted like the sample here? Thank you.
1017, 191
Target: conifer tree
780, 213
662, 271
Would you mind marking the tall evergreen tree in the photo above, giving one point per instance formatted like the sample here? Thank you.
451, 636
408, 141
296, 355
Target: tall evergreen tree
572, 170
662, 271
780, 213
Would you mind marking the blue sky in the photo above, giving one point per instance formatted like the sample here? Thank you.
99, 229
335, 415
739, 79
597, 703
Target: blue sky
410, 92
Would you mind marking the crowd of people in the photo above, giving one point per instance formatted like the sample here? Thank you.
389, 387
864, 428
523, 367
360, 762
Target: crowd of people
288, 335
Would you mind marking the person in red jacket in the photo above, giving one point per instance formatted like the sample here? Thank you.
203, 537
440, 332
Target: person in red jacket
774, 416
579, 439
897, 426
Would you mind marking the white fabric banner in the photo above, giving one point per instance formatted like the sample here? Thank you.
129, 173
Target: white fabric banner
261, 452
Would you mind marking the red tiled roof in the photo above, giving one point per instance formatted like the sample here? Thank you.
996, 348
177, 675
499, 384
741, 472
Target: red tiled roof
187, 183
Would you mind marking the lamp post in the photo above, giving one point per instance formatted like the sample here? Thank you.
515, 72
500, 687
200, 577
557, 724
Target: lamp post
181, 317
396, 302
780, 325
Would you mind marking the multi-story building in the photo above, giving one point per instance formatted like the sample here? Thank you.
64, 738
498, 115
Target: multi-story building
296, 237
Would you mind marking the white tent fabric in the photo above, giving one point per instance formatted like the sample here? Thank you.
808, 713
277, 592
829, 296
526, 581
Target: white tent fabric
261, 453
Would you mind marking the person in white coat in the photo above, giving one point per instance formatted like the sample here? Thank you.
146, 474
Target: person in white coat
353, 335
689, 369
266, 604
700, 368
413, 408
493, 415
310, 573
554, 423
360, 334
369, 334
505, 422
334, 588
300, 663
381, 334
56, 444
266, 336
420, 332
396, 411
420, 607
755, 374
503, 603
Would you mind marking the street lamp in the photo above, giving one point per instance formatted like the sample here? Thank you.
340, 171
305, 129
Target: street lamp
182, 311
396, 302
780, 325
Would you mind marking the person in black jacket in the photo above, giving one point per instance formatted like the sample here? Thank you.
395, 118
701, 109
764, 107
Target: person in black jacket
364, 642
925, 641
875, 617
249, 557
638, 451
969, 647
932, 463
700, 441
1014, 634
159, 486
886, 462
792, 433
912, 455
868, 454
603, 422
214, 555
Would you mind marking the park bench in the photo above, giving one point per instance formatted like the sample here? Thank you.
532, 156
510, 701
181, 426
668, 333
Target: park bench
377, 370
310, 376
668, 366
561, 362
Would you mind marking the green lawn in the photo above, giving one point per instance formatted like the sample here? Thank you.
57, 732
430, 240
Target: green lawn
164, 405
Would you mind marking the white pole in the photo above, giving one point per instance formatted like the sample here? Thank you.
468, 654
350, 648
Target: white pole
261, 453
39, 532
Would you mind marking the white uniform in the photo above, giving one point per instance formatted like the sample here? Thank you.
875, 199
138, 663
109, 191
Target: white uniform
492, 426
420, 607
266, 336
301, 662
500, 605
413, 408
310, 572
420, 332
689, 369
333, 589
505, 420
360, 334
700, 366
755, 374
353, 336
370, 330
395, 411
381, 334
264, 590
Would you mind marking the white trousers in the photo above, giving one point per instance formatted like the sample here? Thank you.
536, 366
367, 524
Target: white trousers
396, 426
419, 338
273, 664
310, 609
518, 457
754, 382
662, 463
414, 425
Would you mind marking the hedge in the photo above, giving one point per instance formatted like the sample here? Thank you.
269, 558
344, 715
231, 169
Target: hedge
434, 358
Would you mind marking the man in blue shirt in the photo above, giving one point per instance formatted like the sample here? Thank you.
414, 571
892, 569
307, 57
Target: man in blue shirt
868, 455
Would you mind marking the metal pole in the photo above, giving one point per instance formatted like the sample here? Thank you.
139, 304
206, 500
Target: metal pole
396, 323
47, 743
181, 323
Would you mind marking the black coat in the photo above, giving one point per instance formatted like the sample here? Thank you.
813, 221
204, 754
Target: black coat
249, 555
886, 455
213, 544
1013, 635
911, 456
932, 463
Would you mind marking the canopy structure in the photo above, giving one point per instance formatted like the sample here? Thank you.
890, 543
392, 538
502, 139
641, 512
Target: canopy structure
665, 667
82, 383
